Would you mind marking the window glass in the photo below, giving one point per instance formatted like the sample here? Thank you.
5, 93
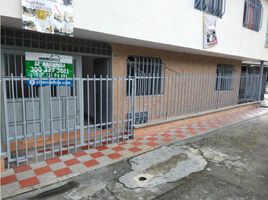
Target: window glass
252, 18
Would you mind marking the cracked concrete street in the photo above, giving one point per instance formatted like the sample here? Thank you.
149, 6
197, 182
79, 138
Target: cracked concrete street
231, 163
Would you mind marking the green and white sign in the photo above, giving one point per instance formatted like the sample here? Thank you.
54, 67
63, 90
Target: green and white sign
43, 65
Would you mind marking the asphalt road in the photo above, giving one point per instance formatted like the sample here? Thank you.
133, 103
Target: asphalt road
231, 163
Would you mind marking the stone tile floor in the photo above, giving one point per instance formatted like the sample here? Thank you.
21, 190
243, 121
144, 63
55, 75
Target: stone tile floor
33, 176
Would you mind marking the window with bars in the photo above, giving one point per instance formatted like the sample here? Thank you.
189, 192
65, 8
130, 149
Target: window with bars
252, 18
147, 73
224, 80
213, 7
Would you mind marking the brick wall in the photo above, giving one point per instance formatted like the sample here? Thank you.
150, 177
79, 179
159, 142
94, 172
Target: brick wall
204, 95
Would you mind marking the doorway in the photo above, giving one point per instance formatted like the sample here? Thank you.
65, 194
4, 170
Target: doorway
97, 84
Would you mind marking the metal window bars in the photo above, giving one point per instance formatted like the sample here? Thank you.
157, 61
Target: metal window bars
34, 40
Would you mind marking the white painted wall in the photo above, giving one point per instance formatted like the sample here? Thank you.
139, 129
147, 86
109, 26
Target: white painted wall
169, 23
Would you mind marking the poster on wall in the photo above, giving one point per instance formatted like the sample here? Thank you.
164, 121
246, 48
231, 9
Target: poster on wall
48, 16
52, 69
210, 37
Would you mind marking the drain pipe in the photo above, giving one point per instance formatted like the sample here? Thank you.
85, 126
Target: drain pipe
261, 77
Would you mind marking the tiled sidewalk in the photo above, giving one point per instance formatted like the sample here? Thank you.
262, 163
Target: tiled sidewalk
28, 177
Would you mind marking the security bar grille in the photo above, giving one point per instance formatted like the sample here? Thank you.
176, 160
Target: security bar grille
148, 72
81, 116
24, 38
213, 7
224, 77
252, 18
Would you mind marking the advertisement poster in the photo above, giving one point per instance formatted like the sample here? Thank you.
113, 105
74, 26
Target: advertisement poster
48, 16
48, 66
210, 37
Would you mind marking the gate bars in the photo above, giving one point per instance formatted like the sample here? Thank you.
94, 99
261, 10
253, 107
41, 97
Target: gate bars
174, 95
63, 115
53, 119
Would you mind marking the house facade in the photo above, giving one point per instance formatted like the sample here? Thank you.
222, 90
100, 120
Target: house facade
132, 63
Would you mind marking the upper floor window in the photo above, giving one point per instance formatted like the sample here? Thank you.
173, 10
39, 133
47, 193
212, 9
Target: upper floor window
147, 72
252, 18
224, 79
213, 7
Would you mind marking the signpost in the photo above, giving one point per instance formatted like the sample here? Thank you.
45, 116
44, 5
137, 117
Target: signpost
56, 69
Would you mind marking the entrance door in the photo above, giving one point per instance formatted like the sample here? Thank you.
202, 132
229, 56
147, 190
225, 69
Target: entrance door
103, 91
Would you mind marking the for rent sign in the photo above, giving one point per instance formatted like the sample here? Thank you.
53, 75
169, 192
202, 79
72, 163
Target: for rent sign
43, 65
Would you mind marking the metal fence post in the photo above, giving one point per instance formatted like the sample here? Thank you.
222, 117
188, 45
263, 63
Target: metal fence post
133, 103
261, 76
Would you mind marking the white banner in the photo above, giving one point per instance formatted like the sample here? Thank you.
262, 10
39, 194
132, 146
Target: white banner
210, 37
48, 16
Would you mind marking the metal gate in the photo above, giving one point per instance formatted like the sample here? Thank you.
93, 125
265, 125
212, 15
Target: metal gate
52, 119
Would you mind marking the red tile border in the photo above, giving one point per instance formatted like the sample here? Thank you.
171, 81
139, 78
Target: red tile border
28, 182
42, 170
8, 179
62, 172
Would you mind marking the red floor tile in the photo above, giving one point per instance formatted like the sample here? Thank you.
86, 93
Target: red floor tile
136, 143
42, 170
134, 149
166, 135
8, 179
180, 136
152, 144
96, 155
62, 172
118, 148
122, 143
53, 160
28, 182
114, 155
151, 138
79, 154
91, 163
71, 162
166, 140
22, 168
102, 148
